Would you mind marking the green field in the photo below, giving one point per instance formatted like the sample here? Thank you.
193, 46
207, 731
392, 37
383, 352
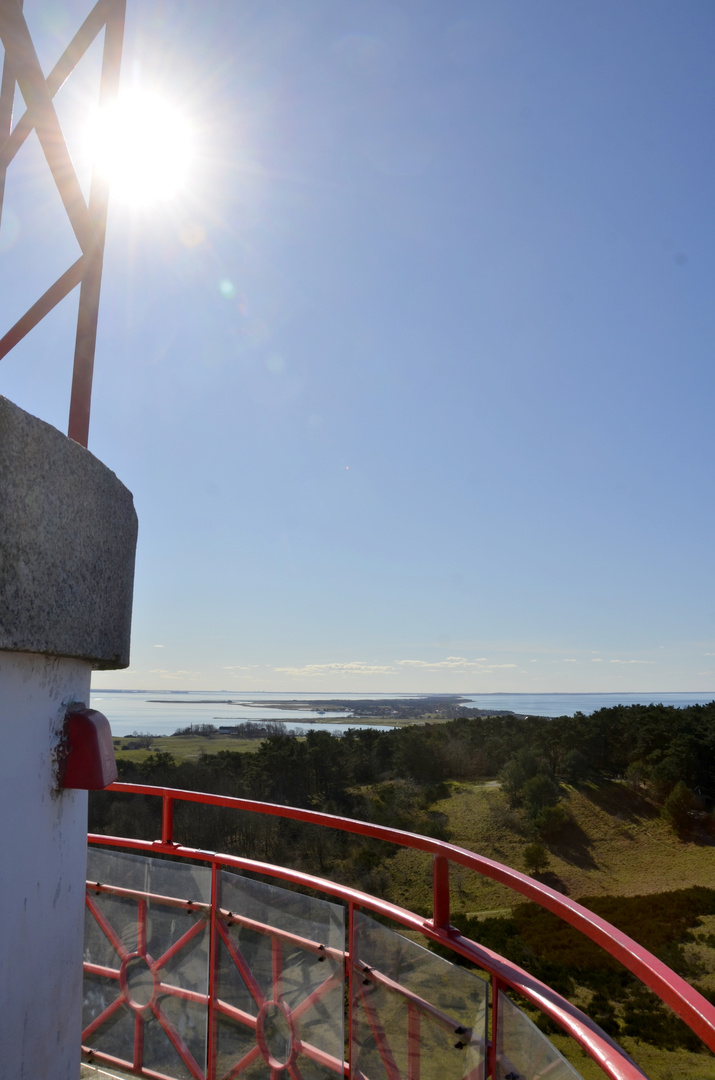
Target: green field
184, 747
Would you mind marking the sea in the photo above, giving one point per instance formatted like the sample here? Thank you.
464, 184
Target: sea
156, 712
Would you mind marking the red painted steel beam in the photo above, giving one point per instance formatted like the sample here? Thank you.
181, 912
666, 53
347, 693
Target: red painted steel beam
211, 1016
243, 1064
18, 43
88, 311
107, 929
234, 1013
141, 927
120, 1063
64, 67
171, 990
495, 988
243, 968
7, 99
88, 221
414, 1000
330, 983
413, 1043
101, 969
320, 1056
378, 1033
351, 976
157, 898
177, 1042
49, 299
277, 966
691, 1006
178, 945
138, 1059
440, 891
167, 820
282, 935
103, 1016
162, 987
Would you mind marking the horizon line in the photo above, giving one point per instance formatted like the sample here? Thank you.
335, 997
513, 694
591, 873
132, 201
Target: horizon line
401, 693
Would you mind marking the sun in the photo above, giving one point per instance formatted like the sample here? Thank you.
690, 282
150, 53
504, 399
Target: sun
143, 146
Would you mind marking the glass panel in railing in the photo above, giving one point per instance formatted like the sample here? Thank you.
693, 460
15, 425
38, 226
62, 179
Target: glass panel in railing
146, 956
523, 1052
414, 1014
280, 983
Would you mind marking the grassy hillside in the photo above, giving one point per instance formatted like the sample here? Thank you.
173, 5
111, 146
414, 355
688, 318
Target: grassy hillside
656, 1063
617, 846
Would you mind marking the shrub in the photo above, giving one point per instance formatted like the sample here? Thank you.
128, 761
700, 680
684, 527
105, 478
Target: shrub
516, 774
551, 820
603, 1012
538, 792
679, 809
647, 1019
536, 857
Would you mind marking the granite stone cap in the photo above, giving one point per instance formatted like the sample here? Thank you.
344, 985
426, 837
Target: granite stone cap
68, 533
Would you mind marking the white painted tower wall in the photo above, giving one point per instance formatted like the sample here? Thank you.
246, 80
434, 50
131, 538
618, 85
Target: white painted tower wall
43, 854
67, 541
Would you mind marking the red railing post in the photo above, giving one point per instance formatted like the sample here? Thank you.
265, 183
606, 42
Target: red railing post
212, 1027
351, 959
413, 1042
138, 1059
138, 1045
167, 820
440, 892
496, 986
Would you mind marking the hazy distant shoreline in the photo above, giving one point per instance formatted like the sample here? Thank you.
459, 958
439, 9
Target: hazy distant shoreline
151, 710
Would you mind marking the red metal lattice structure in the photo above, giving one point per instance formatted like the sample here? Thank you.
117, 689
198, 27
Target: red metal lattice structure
697, 1013
88, 219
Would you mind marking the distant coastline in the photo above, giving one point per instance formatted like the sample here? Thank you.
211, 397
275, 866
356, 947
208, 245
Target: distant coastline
152, 710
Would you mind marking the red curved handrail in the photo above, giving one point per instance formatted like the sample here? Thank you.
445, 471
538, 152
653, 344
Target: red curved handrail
691, 1006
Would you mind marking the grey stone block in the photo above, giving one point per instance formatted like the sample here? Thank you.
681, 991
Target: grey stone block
68, 532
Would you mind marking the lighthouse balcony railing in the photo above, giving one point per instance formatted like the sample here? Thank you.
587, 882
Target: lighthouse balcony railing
206, 965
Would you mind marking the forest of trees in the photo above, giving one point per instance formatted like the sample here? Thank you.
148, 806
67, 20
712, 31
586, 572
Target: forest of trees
394, 776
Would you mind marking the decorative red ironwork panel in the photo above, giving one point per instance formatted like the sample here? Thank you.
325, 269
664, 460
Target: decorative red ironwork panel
271, 1003
280, 983
147, 963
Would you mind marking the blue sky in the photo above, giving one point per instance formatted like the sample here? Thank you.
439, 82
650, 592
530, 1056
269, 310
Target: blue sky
413, 386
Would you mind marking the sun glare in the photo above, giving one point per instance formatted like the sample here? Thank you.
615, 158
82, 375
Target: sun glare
143, 146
